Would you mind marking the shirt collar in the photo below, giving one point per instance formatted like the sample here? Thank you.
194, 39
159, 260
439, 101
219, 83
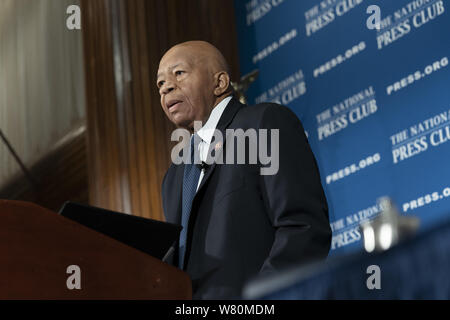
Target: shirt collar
207, 131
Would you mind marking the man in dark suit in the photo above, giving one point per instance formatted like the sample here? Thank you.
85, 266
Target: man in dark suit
238, 223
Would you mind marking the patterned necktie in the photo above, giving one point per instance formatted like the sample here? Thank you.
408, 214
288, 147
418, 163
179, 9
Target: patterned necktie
190, 182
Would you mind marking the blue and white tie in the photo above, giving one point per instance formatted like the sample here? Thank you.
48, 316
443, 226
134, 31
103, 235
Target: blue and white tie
190, 182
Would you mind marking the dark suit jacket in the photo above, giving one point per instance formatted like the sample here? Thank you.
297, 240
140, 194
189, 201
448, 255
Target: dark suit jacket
244, 224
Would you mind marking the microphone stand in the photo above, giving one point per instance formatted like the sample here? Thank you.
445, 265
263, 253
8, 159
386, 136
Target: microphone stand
24, 169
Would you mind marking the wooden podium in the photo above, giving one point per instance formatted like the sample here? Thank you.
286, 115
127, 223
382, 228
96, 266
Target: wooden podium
37, 247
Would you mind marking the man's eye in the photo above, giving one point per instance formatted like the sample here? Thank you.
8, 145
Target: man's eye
160, 84
179, 72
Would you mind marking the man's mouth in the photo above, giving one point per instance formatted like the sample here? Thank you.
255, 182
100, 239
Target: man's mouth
172, 104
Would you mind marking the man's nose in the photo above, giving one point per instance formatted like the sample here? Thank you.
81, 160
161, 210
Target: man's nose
167, 87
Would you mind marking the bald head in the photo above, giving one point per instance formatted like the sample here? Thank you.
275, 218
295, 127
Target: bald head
193, 77
205, 53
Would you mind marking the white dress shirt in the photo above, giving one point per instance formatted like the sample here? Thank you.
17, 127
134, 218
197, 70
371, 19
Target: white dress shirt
207, 131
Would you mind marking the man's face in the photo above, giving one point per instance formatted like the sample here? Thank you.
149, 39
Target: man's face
186, 87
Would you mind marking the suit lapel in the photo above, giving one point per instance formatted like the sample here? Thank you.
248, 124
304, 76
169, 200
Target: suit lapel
225, 120
174, 207
228, 115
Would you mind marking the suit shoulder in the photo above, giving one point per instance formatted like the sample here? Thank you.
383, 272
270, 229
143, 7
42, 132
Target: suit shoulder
269, 113
268, 108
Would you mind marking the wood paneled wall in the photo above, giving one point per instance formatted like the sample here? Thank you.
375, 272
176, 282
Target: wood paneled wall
42, 110
128, 134
42, 94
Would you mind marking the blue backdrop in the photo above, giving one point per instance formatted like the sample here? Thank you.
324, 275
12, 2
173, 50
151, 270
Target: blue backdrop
375, 104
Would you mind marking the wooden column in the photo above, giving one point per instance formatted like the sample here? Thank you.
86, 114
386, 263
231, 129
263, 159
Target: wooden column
128, 134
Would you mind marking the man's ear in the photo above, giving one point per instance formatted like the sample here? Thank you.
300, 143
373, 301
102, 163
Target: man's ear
222, 83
